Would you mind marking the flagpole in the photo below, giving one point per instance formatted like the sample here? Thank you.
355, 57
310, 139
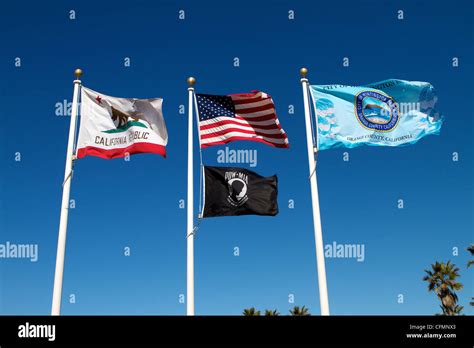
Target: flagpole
190, 210
318, 234
58, 274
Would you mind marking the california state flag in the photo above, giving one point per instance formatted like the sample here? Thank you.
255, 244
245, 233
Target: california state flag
115, 127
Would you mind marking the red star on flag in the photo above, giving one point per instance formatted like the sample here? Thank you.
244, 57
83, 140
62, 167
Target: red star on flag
99, 99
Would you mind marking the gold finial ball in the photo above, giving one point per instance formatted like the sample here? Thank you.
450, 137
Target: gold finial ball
191, 81
78, 73
303, 72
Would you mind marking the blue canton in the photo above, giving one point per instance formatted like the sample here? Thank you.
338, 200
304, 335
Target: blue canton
211, 106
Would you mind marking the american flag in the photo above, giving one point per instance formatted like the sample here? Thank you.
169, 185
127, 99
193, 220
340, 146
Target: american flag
247, 116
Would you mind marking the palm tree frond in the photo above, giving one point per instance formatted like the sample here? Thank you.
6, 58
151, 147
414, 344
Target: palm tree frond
443, 281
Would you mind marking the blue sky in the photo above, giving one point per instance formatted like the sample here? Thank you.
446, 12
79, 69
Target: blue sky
136, 204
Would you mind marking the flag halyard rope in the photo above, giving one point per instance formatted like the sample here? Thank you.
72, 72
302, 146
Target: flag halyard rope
201, 169
315, 145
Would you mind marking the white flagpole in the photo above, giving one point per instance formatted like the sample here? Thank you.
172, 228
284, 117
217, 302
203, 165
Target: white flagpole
318, 234
58, 275
190, 209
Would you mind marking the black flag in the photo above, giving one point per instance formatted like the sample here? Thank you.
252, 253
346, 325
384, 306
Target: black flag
236, 191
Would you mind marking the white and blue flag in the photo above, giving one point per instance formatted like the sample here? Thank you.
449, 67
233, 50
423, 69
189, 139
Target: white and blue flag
386, 113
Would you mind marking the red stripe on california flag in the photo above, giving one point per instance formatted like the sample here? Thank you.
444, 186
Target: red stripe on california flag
121, 152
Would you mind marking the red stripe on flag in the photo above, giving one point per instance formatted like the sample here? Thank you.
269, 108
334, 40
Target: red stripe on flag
250, 95
258, 118
247, 101
245, 131
259, 140
255, 109
122, 152
226, 122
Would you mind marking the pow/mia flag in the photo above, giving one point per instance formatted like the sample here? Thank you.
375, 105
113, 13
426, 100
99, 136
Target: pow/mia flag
231, 191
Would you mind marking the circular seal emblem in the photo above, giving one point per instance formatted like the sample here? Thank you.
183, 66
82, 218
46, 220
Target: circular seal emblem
376, 111
237, 192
